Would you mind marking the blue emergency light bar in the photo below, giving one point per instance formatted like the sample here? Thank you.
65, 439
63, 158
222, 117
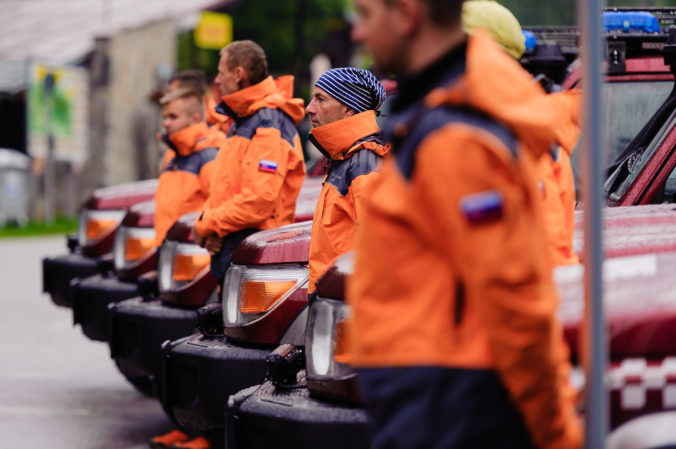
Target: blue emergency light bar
530, 39
630, 21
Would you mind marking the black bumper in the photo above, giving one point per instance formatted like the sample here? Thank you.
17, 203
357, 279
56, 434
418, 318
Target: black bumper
91, 297
200, 373
137, 330
269, 418
58, 272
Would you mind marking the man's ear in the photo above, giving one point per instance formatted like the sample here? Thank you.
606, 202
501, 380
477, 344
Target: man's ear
408, 15
242, 77
348, 112
196, 117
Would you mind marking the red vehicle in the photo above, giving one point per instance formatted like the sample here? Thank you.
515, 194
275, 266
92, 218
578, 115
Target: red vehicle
264, 303
90, 249
139, 325
134, 257
320, 406
135, 266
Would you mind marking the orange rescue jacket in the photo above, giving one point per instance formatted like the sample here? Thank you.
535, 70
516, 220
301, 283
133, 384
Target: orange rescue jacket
556, 178
451, 267
259, 175
184, 183
354, 146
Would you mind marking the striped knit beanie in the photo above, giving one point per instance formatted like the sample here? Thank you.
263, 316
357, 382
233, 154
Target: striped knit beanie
357, 89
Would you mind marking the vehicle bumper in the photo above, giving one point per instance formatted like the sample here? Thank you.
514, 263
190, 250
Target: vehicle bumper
139, 327
269, 418
58, 272
199, 374
91, 297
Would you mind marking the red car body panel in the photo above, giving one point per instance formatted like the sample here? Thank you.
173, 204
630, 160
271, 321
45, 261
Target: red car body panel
633, 230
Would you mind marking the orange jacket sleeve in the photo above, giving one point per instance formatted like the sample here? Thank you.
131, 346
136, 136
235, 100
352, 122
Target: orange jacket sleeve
560, 240
506, 275
205, 175
259, 189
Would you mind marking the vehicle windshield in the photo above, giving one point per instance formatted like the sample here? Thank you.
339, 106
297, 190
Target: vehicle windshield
628, 106
639, 161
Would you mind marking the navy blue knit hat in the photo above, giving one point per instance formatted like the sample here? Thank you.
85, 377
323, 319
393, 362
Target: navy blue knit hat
357, 89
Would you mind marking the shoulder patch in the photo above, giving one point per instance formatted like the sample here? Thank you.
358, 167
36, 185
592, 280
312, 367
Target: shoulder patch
483, 207
267, 166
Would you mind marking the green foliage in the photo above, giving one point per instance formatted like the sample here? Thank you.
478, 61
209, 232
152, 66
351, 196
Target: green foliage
274, 24
562, 12
60, 225
290, 31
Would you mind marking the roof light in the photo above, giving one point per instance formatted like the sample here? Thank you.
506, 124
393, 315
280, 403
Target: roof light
636, 21
530, 39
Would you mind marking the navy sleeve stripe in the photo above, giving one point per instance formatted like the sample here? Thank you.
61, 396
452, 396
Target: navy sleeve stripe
437, 118
192, 163
343, 173
267, 118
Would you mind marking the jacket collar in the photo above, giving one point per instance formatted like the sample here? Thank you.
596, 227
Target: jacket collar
337, 139
185, 141
269, 93
512, 98
243, 102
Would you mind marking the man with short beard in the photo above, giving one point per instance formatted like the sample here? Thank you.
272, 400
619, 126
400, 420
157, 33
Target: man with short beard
343, 115
454, 332
258, 177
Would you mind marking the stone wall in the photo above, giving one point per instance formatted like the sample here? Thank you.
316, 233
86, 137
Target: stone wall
138, 61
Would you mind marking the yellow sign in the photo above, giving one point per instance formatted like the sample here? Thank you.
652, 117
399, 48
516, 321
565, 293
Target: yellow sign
214, 30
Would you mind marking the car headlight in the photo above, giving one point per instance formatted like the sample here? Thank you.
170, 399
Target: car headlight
326, 342
251, 292
94, 225
132, 245
180, 263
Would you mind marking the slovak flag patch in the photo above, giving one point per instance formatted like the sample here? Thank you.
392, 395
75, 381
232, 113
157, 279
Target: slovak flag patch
267, 166
482, 207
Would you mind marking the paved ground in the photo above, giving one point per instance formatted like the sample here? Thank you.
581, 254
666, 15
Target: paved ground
57, 388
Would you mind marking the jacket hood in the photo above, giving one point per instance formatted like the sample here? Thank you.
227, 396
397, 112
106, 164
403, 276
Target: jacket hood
187, 140
337, 140
512, 98
266, 94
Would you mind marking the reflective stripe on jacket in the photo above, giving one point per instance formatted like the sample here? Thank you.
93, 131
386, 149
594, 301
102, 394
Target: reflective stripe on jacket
451, 263
354, 146
185, 179
258, 177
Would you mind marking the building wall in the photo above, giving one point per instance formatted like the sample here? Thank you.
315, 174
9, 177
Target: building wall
139, 61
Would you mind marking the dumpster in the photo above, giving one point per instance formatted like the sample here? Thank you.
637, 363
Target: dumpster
15, 185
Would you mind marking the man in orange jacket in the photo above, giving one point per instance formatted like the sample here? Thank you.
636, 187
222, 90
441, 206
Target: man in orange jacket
185, 179
454, 332
343, 115
258, 177
555, 173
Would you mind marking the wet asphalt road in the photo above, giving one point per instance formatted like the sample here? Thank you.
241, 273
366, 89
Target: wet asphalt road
57, 388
